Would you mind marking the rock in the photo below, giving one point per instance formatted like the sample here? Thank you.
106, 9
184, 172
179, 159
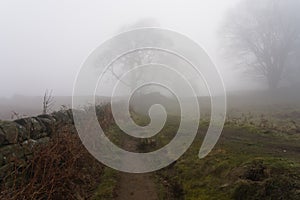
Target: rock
44, 116
2, 161
44, 140
26, 128
26, 122
64, 117
10, 152
11, 131
19, 137
2, 138
48, 121
39, 129
28, 145
34, 127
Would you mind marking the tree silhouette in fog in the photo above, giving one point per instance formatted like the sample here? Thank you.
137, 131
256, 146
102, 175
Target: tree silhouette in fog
264, 37
137, 58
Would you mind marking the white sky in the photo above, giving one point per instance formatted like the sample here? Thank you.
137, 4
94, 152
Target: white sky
43, 42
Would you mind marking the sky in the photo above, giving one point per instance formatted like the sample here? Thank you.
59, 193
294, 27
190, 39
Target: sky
44, 43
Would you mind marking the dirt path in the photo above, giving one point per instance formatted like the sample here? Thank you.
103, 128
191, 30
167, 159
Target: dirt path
136, 186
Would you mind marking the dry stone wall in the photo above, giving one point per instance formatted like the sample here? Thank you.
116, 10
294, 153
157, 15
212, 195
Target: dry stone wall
18, 137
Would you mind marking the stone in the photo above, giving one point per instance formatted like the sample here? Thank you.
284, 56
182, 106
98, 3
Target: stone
39, 129
28, 145
38, 124
11, 131
26, 122
63, 116
34, 127
19, 137
13, 151
48, 121
43, 140
24, 127
2, 161
2, 138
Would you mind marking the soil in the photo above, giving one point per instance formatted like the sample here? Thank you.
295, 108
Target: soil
136, 186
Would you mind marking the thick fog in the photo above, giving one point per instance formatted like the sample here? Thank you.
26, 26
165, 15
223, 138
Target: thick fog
254, 44
44, 43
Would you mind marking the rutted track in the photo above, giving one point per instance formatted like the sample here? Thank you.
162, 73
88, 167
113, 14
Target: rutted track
136, 186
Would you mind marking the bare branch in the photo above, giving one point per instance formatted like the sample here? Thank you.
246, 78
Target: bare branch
48, 102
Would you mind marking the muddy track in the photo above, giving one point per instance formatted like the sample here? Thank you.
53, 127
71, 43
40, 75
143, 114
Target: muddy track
136, 186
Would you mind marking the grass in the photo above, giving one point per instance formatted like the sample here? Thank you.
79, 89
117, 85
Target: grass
107, 188
254, 159
247, 163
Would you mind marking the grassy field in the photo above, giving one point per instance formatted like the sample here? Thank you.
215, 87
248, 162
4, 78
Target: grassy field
250, 161
256, 157
247, 163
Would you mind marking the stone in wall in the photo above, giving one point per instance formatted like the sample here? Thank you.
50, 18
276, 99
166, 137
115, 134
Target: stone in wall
12, 131
2, 138
48, 121
12, 152
63, 116
34, 127
17, 138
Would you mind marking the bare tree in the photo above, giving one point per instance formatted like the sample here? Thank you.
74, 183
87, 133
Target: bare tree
263, 35
48, 102
137, 58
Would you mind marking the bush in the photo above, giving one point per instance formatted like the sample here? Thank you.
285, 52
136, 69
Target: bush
62, 169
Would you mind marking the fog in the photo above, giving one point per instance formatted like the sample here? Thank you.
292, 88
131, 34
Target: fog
44, 44
150, 99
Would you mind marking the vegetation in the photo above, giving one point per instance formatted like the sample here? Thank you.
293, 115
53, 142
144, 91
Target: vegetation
264, 36
253, 160
246, 164
107, 188
48, 102
62, 169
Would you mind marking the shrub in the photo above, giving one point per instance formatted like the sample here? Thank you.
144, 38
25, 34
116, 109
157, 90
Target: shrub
62, 169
